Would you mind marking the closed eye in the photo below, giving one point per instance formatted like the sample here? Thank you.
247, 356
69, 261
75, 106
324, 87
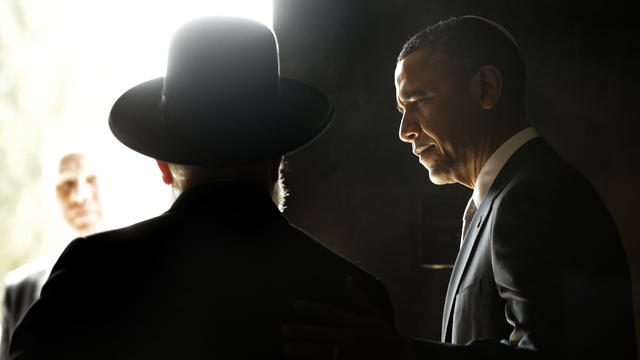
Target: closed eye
412, 101
409, 104
421, 100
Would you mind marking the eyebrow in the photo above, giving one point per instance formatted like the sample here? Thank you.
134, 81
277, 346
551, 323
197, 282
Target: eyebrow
407, 96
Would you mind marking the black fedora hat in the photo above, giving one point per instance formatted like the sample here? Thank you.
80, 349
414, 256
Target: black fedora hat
222, 101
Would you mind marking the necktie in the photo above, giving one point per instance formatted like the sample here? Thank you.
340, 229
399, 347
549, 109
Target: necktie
469, 212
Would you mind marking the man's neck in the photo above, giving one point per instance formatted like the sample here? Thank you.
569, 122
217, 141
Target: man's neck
486, 148
177, 190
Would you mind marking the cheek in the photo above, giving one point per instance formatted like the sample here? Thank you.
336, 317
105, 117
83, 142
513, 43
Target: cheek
436, 125
428, 121
66, 209
455, 125
63, 200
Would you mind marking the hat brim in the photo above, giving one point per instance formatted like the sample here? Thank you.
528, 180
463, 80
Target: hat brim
136, 120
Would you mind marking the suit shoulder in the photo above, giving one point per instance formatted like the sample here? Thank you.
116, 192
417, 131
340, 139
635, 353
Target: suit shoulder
548, 204
31, 271
545, 170
118, 240
308, 245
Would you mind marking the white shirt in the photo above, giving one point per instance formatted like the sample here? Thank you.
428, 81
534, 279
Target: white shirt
490, 170
496, 162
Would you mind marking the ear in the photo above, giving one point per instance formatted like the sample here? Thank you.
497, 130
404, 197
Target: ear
167, 177
490, 82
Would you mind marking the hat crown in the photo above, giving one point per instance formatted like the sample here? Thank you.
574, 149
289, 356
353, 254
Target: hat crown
224, 67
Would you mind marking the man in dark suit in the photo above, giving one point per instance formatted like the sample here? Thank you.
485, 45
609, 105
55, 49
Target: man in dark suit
78, 196
541, 271
214, 276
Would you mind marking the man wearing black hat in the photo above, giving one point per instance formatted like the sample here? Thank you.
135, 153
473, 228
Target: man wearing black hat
216, 275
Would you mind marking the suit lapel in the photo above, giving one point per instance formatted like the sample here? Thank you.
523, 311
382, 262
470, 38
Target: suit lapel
461, 261
528, 152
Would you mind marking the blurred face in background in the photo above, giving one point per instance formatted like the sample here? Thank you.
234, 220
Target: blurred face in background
78, 193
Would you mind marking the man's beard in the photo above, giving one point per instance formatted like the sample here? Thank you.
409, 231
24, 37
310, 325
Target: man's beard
279, 193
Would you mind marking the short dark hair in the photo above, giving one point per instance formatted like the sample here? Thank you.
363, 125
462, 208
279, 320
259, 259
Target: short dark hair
469, 42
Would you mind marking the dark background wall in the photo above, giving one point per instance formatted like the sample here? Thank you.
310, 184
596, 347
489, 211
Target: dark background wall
360, 190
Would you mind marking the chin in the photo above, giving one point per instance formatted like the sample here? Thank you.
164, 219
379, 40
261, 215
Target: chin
438, 178
439, 174
438, 181
86, 224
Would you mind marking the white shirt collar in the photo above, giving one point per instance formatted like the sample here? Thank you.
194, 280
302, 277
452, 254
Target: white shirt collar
496, 162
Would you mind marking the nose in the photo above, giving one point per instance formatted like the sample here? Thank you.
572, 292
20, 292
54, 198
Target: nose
409, 128
81, 193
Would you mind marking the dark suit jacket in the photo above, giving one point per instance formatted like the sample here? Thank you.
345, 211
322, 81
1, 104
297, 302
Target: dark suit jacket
213, 278
21, 289
541, 268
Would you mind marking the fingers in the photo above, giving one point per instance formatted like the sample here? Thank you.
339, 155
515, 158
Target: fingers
362, 304
327, 332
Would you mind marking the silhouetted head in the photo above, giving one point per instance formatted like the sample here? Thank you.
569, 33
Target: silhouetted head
222, 112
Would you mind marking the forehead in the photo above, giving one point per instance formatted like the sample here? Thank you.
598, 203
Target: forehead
74, 164
422, 70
